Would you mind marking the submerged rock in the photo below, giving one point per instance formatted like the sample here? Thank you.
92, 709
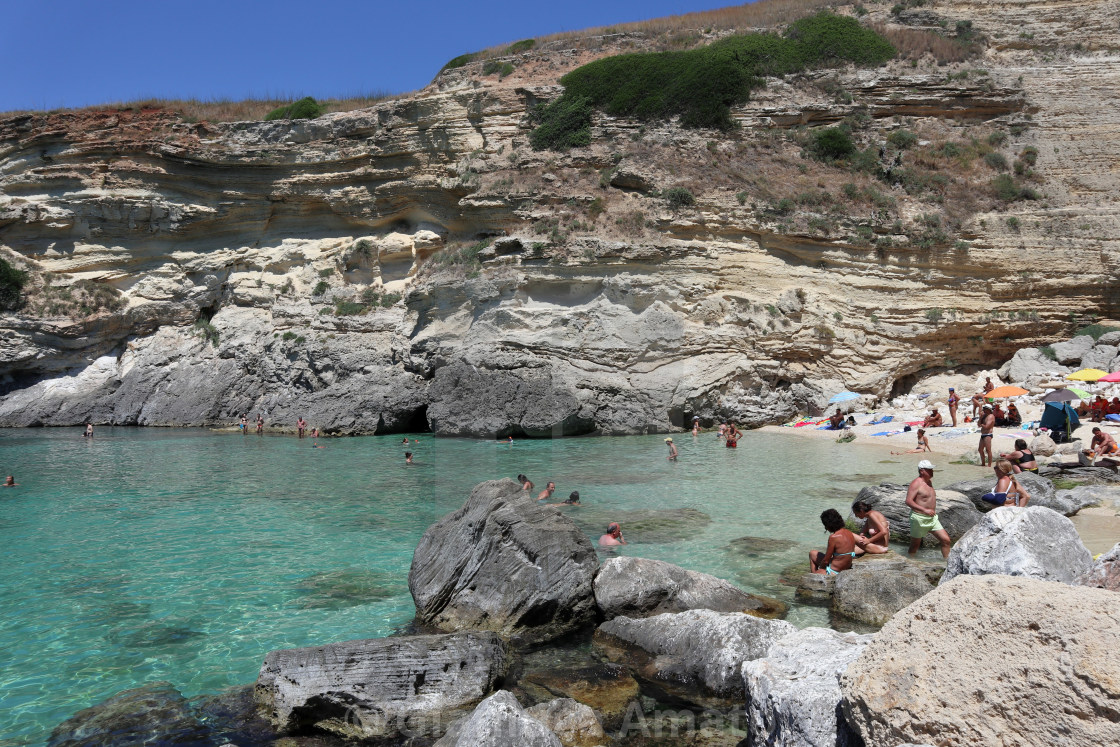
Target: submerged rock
696, 655
608, 689
575, 724
753, 547
154, 714
505, 563
793, 693
499, 721
1035, 542
335, 590
981, 660
955, 511
639, 587
381, 687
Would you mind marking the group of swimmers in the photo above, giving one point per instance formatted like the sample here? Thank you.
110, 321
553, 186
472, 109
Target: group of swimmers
612, 537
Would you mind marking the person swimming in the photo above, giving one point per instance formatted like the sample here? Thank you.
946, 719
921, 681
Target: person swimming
613, 536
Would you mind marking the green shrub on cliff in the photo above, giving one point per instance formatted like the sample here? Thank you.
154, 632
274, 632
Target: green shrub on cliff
701, 85
11, 285
305, 108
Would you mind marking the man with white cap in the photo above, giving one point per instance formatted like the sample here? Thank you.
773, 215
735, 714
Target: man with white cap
987, 423
922, 500
672, 449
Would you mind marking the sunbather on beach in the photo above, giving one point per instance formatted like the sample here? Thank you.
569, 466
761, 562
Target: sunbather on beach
933, 420
876, 535
1103, 444
841, 546
836, 420
954, 400
923, 444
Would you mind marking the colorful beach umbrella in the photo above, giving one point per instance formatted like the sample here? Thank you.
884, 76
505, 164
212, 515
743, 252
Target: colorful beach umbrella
1060, 395
844, 396
1006, 391
1111, 378
1087, 374
1081, 393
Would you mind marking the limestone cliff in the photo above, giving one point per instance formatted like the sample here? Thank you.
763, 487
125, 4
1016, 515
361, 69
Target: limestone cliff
416, 264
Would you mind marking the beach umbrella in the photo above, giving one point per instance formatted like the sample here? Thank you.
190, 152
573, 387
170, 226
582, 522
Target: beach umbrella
1087, 374
1081, 393
1060, 395
1111, 378
844, 396
1006, 391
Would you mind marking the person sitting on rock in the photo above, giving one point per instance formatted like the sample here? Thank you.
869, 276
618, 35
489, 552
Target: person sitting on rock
876, 535
1008, 491
933, 420
613, 536
1102, 444
841, 548
1022, 459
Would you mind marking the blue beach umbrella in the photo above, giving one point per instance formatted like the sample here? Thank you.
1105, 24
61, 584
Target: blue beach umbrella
844, 396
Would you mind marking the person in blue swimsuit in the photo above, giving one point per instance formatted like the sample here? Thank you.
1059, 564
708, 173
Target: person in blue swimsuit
841, 546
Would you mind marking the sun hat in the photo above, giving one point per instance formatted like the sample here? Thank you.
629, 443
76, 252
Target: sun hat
926, 464
668, 440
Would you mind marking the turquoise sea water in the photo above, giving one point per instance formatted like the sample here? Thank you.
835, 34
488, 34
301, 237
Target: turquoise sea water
187, 555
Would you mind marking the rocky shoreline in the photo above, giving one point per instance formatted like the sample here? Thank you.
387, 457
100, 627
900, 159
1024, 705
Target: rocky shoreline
508, 591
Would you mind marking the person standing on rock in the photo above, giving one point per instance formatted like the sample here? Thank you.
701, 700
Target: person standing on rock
613, 536
547, 492
841, 549
954, 400
243, 424
922, 500
876, 535
301, 426
672, 450
987, 423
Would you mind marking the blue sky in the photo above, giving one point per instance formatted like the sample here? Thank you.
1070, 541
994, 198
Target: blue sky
69, 53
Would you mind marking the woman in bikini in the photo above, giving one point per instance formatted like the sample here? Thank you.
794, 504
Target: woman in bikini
841, 546
1022, 459
1008, 491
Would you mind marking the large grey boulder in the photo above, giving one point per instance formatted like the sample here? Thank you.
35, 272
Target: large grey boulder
573, 722
1042, 445
992, 660
1100, 356
1035, 542
701, 651
1069, 353
1029, 362
793, 693
640, 587
1040, 488
871, 593
1069, 502
1109, 338
156, 714
956, 511
1105, 571
505, 563
499, 721
381, 687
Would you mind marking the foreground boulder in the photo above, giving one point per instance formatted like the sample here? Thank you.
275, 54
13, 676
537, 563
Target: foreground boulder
697, 654
1035, 542
956, 512
872, 592
149, 715
992, 660
502, 562
1041, 490
1105, 571
574, 723
793, 693
639, 587
381, 687
499, 721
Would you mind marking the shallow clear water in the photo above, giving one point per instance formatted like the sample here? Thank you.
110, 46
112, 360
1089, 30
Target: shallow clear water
187, 555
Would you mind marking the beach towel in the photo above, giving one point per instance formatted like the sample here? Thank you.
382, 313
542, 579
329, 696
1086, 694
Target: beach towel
887, 433
1114, 418
880, 421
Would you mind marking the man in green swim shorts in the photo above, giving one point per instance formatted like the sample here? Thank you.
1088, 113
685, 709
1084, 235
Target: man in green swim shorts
922, 500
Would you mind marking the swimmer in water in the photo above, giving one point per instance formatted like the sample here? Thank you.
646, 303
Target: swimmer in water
10, 482
672, 450
573, 500
408, 457
613, 536
89, 431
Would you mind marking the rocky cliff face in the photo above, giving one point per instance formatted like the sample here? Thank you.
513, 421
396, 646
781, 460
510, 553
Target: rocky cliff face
417, 265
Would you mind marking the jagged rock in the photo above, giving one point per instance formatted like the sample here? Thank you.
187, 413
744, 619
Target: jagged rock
1035, 542
380, 687
1086, 475
793, 693
1069, 353
1043, 445
1028, 362
700, 652
817, 587
499, 721
955, 511
871, 593
573, 723
1069, 502
1105, 571
154, 714
1041, 490
954, 668
640, 587
234, 717
607, 688
1100, 356
503, 562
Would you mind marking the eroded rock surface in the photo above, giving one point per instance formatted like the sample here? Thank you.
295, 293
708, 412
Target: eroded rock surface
872, 592
505, 563
499, 721
951, 669
1104, 573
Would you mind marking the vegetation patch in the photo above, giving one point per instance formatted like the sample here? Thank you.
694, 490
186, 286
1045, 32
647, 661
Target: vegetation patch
203, 328
521, 46
1096, 330
460, 61
79, 300
305, 108
11, 285
700, 85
